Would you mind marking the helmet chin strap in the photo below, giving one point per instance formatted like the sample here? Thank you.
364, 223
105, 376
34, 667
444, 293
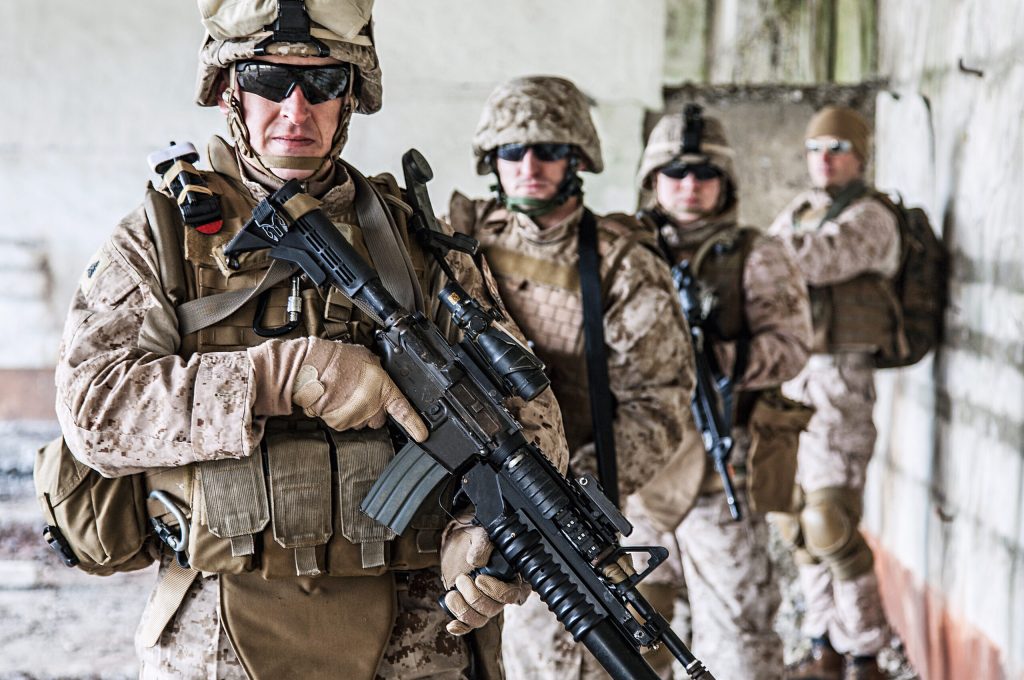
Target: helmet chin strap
571, 185
268, 163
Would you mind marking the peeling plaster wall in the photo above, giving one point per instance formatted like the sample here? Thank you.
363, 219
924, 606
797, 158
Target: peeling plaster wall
947, 489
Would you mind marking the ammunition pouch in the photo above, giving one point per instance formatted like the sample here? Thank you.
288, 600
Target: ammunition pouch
87, 522
860, 315
775, 425
293, 510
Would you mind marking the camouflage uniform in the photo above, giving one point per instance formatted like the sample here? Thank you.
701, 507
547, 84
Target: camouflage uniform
134, 395
723, 563
841, 589
649, 357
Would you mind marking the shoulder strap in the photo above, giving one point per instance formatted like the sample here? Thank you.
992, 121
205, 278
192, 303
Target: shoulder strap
390, 259
597, 361
167, 226
202, 312
843, 199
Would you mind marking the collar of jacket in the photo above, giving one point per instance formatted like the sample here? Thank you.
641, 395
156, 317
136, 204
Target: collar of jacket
532, 232
688, 237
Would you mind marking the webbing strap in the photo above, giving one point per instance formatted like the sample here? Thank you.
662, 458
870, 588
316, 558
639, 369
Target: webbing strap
597, 361
206, 311
850, 193
165, 601
380, 234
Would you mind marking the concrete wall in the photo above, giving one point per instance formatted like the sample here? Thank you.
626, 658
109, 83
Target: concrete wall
770, 41
947, 488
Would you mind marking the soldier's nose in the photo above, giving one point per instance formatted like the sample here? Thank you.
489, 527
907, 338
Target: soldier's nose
295, 106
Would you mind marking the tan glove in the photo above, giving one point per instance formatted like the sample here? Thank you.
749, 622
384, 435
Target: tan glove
474, 601
341, 383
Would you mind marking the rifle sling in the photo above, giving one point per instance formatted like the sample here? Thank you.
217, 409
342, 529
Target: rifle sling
597, 361
380, 234
202, 312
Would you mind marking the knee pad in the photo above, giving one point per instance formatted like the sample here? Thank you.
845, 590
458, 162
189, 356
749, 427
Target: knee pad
829, 526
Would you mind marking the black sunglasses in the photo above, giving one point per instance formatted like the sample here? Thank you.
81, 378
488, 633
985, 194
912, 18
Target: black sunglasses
543, 152
276, 82
702, 171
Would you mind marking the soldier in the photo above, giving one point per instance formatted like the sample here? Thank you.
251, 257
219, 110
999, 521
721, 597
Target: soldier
535, 134
847, 245
218, 420
760, 324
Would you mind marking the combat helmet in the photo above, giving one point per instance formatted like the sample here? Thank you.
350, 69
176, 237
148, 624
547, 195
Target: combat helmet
341, 29
537, 110
690, 138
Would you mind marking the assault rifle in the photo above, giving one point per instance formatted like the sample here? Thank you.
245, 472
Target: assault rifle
560, 535
712, 399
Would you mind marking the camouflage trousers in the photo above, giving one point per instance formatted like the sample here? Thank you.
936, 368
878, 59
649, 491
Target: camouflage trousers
835, 452
194, 645
733, 596
535, 646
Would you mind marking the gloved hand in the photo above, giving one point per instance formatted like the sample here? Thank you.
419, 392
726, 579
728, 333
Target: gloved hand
474, 601
341, 383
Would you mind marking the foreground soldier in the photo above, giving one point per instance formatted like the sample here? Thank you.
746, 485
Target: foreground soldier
847, 245
535, 134
271, 445
761, 325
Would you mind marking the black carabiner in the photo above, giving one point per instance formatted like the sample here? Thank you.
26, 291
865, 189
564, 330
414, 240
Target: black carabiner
294, 313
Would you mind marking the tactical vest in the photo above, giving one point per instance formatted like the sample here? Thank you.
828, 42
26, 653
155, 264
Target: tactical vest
718, 264
292, 509
859, 315
543, 296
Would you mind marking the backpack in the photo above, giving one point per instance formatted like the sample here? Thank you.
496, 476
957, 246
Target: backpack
921, 284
